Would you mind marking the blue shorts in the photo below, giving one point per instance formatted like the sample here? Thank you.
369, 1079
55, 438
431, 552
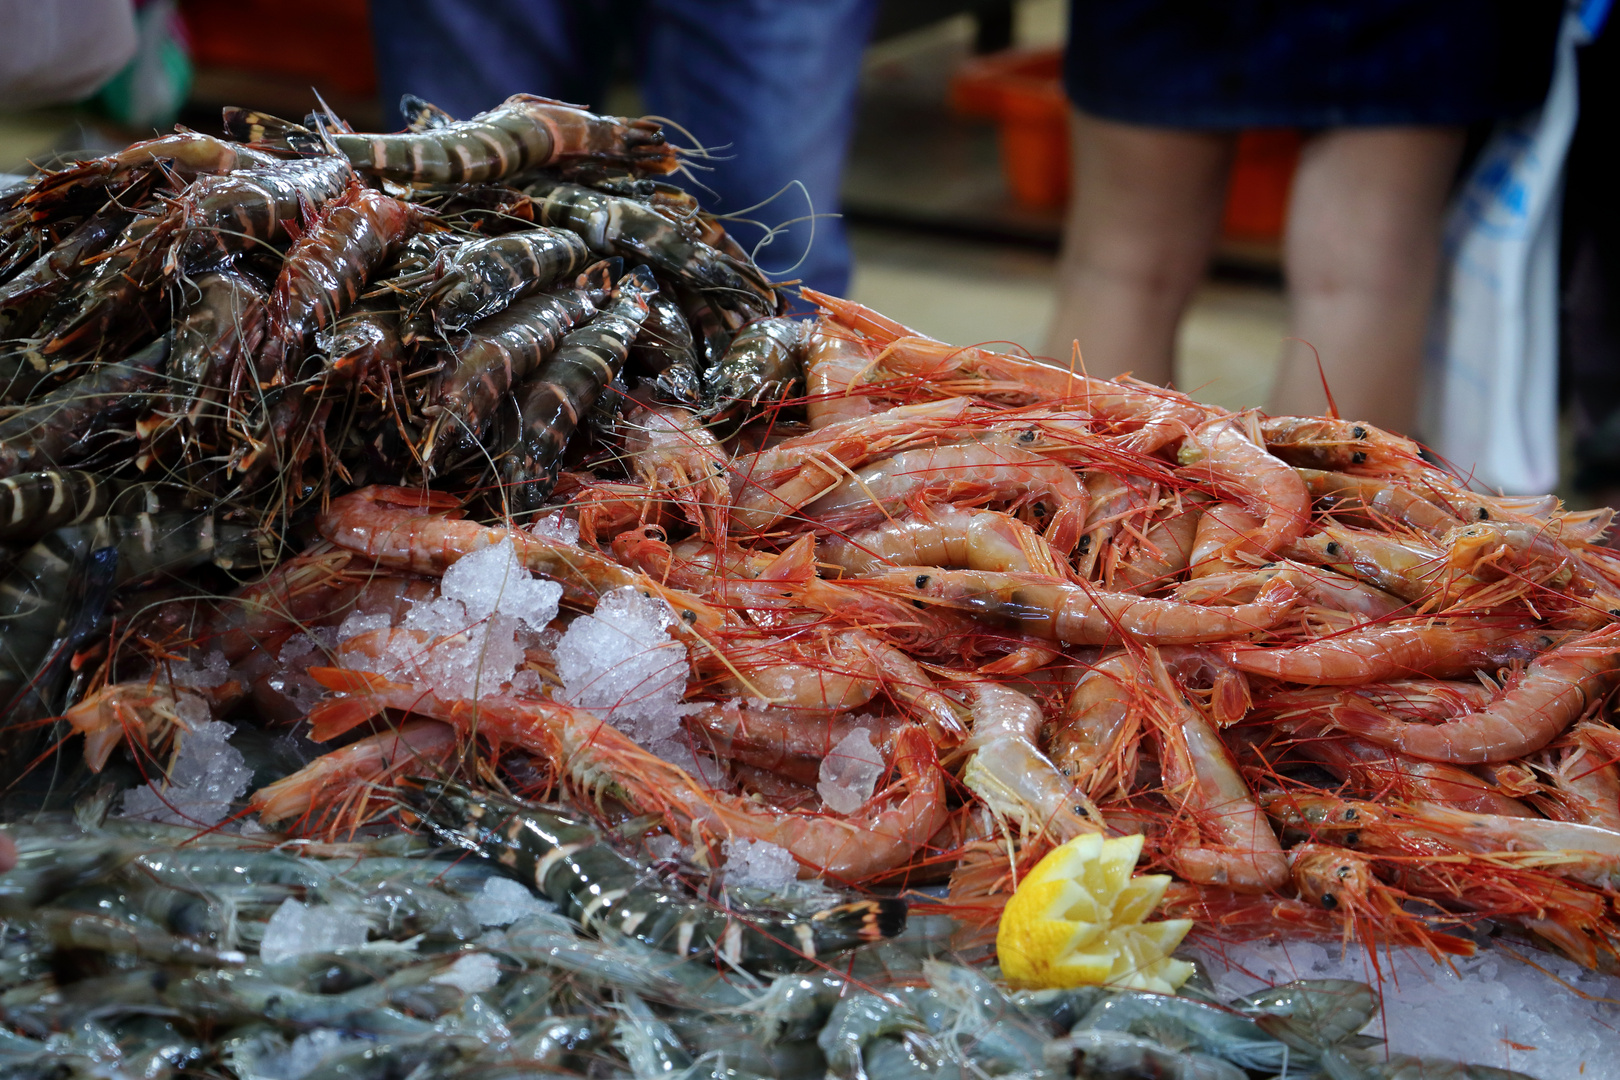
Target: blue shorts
1309, 63
767, 85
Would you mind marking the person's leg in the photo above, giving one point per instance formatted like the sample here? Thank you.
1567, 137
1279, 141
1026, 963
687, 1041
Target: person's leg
466, 56
770, 86
1142, 222
1362, 254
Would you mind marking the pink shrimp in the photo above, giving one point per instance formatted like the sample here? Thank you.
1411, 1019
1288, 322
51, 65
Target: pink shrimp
597, 756
1201, 778
411, 529
349, 771
835, 361
1396, 649
769, 485
1164, 551
976, 472
1378, 772
1319, 587
1378, 501
1220, 541
1094, 741
945, 536
1556, 689
1222, 452
1585, 778
1409, 568
673, 453
1081, 615
788, 744
1014, 778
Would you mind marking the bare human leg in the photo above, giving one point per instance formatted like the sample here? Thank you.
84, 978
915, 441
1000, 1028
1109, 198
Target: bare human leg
1142, 223
1362, 254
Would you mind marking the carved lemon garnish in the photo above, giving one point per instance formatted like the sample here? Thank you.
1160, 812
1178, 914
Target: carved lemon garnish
1078, 919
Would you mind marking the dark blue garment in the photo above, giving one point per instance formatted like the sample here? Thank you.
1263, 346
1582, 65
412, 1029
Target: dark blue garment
767, 85
1309, 63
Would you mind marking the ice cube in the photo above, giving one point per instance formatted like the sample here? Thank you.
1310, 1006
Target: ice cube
850, 772
471, 974
296, 928
208, 775
504, 901
621, 663
760, 864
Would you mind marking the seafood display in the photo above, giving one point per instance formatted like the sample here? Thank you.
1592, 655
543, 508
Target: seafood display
459, 617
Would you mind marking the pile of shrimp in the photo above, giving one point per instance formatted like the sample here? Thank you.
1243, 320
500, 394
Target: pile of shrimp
1339, 691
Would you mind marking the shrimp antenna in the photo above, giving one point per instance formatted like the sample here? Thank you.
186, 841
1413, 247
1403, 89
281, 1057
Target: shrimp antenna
1333, 406
320, 129
338, 123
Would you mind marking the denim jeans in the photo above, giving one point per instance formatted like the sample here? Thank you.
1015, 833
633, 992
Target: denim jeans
768, 86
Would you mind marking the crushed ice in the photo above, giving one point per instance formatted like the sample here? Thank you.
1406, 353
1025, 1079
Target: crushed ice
558, 527
1491, 1010
297, 928
504, 902
208, 773
621, 663
471, 974
306, 1053
212, 671
850, 772
760, 864
469, 641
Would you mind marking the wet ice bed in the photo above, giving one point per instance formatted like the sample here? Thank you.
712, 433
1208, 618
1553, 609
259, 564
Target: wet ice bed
1493, 1009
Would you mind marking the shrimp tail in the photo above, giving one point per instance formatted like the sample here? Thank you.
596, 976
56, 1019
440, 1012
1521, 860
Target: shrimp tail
849, 925
330, 719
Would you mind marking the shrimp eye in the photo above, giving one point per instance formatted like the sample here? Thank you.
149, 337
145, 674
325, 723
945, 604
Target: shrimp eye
1615, 611
1085, 543
1330, 901
1358, 458
1039, 509
1333, 547
689, 615
919, 604
1027, 437
1359, 432
922, 581
1344, 872
1082, 811
1484, 514
1350, 815
1351, 839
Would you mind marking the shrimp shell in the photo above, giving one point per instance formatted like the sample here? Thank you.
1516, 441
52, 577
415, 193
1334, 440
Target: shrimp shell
1080, 615
1552, 695
551, 403
520, 134
762, 366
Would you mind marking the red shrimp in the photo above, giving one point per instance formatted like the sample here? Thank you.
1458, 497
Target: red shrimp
597, 757
1396, 649
1222, 452
411, 529
1552, 694
977, 472
1081, 615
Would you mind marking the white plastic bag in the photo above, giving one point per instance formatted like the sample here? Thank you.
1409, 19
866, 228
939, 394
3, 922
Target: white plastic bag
1492, 373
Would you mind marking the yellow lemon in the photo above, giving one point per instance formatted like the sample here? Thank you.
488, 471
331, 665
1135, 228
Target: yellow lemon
1077, 919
